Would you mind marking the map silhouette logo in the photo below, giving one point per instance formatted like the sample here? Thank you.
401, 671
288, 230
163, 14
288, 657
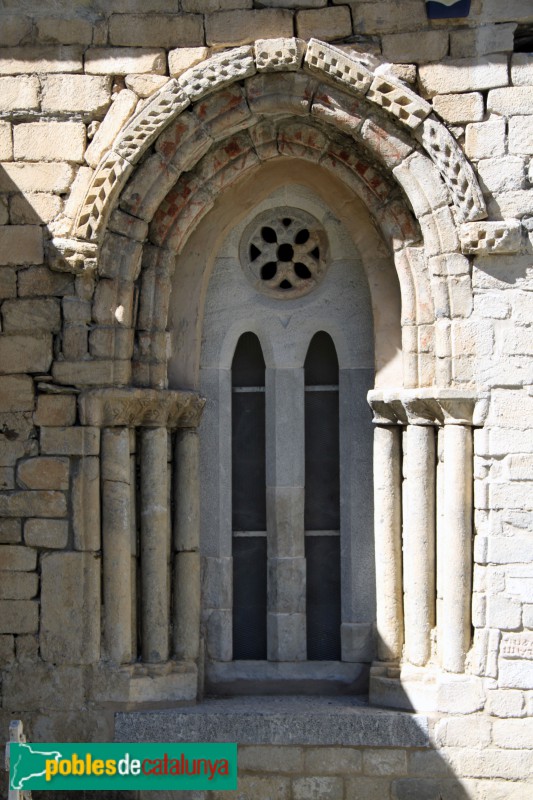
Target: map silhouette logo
27, 762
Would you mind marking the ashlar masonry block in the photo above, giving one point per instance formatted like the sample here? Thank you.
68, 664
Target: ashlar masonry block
70, 596
464, 75
20, 60
76, 93
19, 616
125, 60
49, 141
19, 93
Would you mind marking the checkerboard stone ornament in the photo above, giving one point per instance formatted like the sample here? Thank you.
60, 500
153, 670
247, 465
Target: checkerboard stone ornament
447, 9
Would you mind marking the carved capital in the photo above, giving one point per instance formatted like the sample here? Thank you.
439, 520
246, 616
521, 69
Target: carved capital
134, 408
72, 255
428, 406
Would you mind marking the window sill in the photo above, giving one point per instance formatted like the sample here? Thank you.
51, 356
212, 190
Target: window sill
345, 721
286, 677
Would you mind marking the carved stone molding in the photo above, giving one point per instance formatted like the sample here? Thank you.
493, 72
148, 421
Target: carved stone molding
484, 238
147, 408
327, 63
72, 255
429, 406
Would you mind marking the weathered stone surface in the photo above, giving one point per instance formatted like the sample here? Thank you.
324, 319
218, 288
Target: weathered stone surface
10, 531
31, 315
273, 55
49, 141
333, 760
19, 616
422, 184
157, 30
18, 559
398, 100
320, 787
521, 69
76, 93
86, 504
70, 617
7, 649
40, 281
122, 109
33, 504
328, 24
32, 686
281, 721
74, 441
19, 93
491, 237
124, 60
459, 108
49, 533
145, 85
384, 762
14, 28
34, 208
521, 135
20, 353
21, 244
463, 75
19, 585
349, 72
6, 151
514, 100
184, 58
42, 177
415, 47
16, 393
92, 373
485, 139
235, 28
16, 60
503, 174
43, 473
58, 30
55, 410
480, 41
280, 759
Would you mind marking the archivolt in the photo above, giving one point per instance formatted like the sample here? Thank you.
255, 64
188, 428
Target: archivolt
244, 107
327, 64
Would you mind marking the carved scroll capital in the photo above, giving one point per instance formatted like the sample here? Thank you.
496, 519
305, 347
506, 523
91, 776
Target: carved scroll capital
134, 408
428, 406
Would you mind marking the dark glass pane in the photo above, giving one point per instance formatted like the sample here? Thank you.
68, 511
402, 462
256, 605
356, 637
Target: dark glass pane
321, 363
250, 597
248, 368
322, 555
322, 490
248, 461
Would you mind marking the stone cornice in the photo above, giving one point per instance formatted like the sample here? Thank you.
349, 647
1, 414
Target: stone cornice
134, 408
428, 406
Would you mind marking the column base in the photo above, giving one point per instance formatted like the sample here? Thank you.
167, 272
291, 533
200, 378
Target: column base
425, 689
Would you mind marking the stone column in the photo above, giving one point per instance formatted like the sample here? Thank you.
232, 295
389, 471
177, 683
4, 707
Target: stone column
419, 531
116, 543
285, 468
388, 540
186, 609
155, 545
456, 566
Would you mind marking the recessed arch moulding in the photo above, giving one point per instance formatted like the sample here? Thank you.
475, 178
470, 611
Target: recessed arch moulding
254, 116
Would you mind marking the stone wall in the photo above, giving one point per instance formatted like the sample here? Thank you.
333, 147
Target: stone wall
78, 315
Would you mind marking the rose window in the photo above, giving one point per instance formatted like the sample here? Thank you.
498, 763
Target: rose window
283, 252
